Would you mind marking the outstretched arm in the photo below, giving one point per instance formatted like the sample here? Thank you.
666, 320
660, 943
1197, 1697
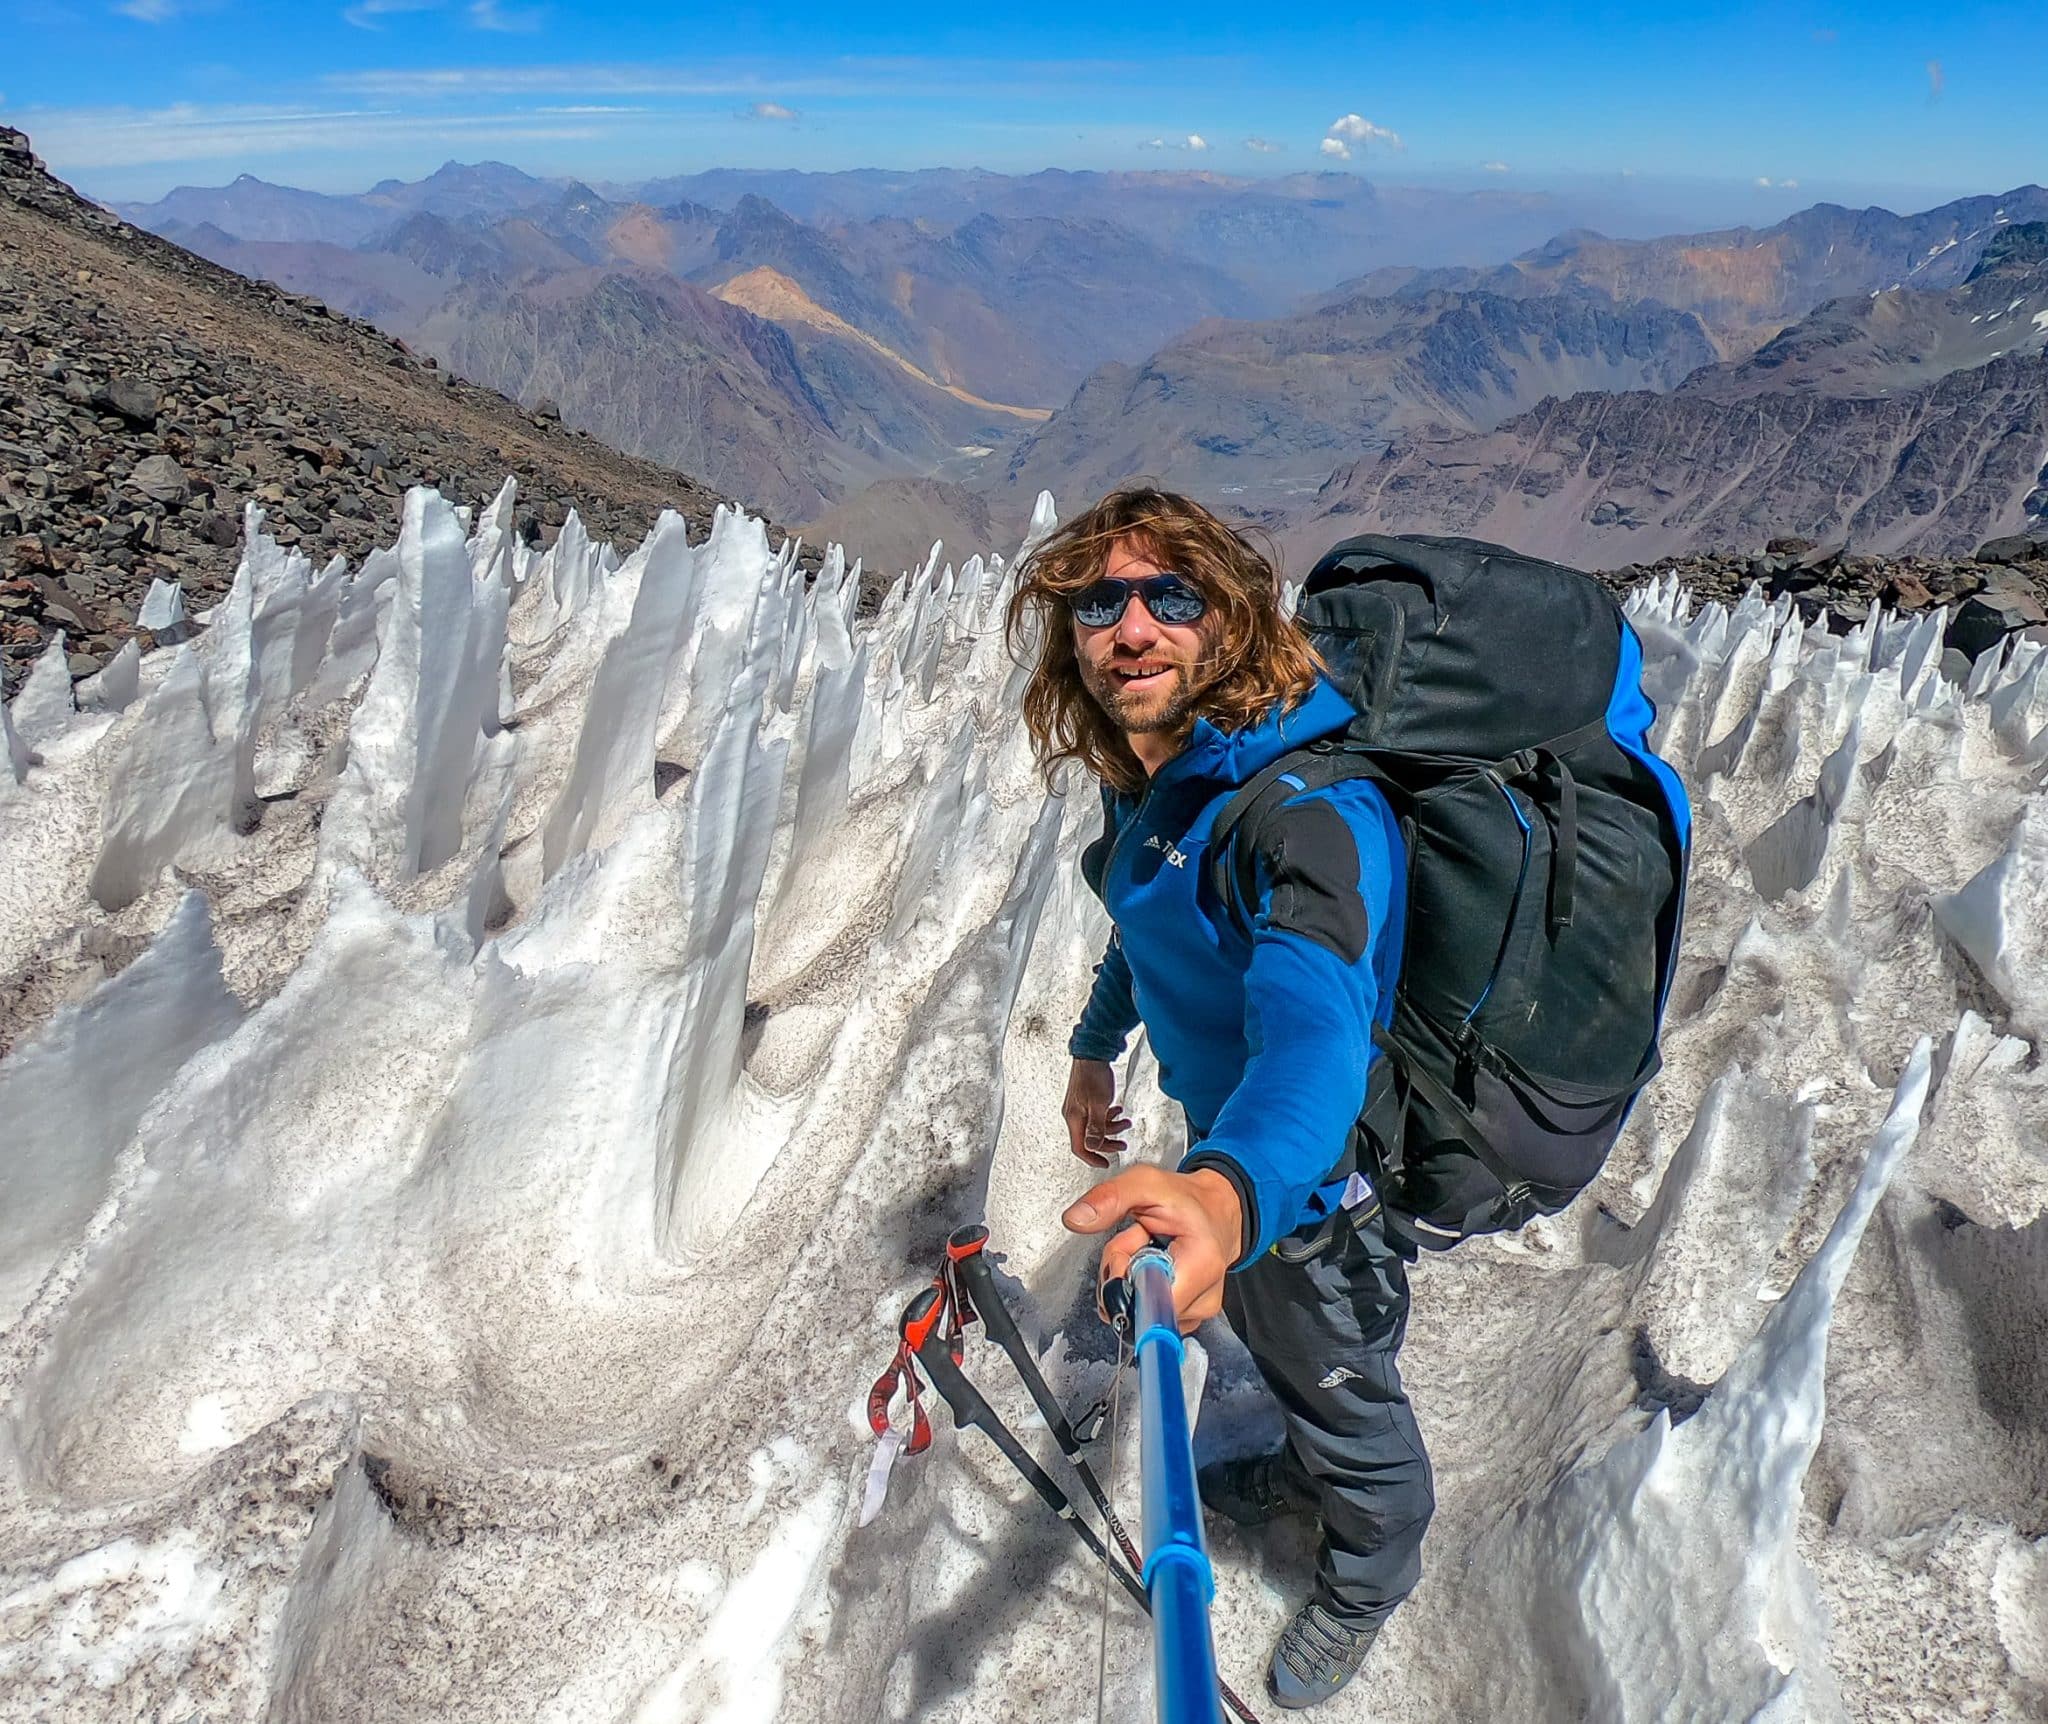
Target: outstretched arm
1326, 896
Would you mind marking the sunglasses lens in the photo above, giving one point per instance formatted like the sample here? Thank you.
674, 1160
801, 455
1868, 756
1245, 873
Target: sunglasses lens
1099, 606
1171, 600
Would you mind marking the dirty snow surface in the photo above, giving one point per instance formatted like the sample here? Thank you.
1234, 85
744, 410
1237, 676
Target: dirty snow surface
494, 1040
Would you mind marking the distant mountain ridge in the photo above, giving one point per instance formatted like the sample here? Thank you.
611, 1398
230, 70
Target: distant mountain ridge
1902, 338
1747, 283
798, 336
1257, 414
899, 348
1607, 480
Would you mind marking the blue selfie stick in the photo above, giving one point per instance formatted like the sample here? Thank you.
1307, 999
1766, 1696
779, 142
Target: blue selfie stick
1177, 1575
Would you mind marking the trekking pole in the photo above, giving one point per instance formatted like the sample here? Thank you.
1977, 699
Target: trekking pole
1178, 1578
969, 1408
1002, 1329
923, 1334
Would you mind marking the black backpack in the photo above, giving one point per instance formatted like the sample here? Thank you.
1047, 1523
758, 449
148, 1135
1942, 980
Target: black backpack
1501, 710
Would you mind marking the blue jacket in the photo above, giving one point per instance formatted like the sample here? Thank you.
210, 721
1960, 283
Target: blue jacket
1266, 1041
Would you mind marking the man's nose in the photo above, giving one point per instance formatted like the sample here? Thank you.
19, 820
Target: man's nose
1136, 628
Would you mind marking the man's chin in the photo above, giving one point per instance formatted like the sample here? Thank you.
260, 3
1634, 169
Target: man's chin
1168, 715
1149, 714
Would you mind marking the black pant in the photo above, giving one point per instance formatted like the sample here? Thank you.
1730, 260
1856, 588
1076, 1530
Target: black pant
1323, 1315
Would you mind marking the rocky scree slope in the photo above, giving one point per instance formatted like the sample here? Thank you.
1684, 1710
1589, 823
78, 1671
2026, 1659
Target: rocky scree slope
147, 395
1999, 594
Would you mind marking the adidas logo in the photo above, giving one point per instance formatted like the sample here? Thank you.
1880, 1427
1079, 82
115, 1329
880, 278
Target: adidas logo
1342, 1374
1155, 842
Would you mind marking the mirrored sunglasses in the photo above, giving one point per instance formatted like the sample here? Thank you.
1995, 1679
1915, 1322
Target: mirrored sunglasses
1169, 598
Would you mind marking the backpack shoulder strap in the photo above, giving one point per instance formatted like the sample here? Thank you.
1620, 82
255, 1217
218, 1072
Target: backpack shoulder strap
1234, 839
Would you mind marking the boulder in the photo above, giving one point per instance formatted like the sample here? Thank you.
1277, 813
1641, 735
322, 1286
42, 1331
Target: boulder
1985, 619
134, 399
160, 479
2013, 548
1908, 592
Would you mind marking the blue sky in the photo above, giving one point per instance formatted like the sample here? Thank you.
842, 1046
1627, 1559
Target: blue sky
129, 97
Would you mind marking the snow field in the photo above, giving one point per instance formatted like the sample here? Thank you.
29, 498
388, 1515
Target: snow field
493, 1040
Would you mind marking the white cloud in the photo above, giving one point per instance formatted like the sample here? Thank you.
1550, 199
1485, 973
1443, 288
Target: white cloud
487, 15
1196, 142
74, 139
148, 11
1263, 146
630, 79
1937, 80
365, 13
1193, 141
747, 80
1788, 185
1764, 183
1349, 129
1494, 167
769, 111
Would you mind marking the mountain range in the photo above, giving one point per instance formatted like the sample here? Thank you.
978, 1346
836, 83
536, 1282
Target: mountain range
965, 339
1914, 420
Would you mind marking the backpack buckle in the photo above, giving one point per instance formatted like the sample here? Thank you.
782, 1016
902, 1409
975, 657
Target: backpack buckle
1467, 1046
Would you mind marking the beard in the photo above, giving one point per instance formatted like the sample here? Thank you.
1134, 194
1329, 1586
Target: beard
1167, 703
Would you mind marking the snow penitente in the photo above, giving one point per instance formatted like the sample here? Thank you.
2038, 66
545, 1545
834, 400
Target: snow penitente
449, 1200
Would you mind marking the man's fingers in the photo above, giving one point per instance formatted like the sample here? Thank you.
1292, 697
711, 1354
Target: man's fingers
1101, 1207
1117, 1254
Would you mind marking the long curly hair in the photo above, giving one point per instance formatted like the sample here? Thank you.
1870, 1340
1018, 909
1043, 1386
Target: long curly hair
1259, 659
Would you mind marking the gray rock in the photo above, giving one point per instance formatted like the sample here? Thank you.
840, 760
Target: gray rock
161, 479
1984, 619
131, 397
2013, 548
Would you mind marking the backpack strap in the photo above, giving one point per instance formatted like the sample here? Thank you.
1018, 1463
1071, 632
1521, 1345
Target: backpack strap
1234, 838
1564, 836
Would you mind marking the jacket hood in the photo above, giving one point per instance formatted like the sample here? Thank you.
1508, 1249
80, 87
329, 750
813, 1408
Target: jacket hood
1233, 756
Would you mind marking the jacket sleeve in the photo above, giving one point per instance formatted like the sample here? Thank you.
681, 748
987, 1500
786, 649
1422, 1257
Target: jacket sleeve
1326, 885
1112, 1010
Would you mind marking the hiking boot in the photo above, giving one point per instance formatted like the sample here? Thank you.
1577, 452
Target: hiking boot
1255, 1489
1316, 1656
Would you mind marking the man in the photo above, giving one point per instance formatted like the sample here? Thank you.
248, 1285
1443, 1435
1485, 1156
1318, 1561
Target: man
1164, 665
